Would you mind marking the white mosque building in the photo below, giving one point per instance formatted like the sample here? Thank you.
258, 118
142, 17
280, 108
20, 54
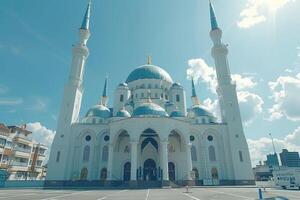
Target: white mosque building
150, 134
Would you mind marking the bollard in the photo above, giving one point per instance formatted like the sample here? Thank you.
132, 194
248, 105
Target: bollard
260, 196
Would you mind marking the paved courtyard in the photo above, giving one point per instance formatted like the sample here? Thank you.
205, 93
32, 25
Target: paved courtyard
217, 193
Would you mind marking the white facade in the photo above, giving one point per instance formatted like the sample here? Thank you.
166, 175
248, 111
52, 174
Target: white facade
150, 134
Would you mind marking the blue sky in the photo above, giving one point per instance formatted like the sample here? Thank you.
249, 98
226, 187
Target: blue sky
263, 37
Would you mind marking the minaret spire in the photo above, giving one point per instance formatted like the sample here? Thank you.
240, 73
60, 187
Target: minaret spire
104, 98
195, 99
213, 19
86, 20
193, 89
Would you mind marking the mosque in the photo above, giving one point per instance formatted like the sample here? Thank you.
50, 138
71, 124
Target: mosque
150, 134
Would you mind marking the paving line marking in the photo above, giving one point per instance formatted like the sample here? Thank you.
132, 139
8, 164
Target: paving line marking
190, 196
7, 197
64, 195
280, 194
147, 195
234, 195
105, 197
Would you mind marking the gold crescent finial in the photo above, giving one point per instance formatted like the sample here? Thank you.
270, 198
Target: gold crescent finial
149, 60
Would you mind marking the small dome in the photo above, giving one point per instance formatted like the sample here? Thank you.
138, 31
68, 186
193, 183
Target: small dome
123, 85
149, 72
176, 113
123, 113
99, 111
176, 85
200, 111
150, 109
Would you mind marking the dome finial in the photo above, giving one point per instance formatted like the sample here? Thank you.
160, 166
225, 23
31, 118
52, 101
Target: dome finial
149, 60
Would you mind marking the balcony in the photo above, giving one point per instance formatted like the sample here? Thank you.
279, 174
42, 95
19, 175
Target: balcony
22, 152
18, 166
23, 139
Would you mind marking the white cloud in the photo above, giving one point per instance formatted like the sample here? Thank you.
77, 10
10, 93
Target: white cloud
10, 101
259, 148
286, 90
213, 107
41, 134
198, 69
250, 105
257, 11
243, 83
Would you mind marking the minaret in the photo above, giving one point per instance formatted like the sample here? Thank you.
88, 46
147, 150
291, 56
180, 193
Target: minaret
104, 98
230, 112
194, 97
70, 108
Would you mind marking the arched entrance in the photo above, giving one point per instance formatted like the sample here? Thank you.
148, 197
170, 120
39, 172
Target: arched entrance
83, 173
171, 167
150, 170
103, 174
127, 168
215, 176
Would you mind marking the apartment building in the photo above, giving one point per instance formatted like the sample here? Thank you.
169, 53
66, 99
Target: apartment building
21, 157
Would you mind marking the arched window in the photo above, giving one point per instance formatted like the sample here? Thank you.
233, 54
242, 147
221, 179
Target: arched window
103, 174
121, 98
195, 170
194, 153
83, 173
211, 153
86, 153
214, 173
241, 156
105, 153
57, 156
177, 97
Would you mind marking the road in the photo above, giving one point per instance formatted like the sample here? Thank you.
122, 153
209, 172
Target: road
216, 193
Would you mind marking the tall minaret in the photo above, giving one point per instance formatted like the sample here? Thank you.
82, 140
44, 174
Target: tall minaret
230, 111
70, 108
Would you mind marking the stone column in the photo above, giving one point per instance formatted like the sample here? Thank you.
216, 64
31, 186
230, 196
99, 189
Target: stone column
133, 160
110, 162
164, 159
189, 160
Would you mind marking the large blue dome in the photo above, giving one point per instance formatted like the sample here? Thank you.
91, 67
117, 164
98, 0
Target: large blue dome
150, 109
149, 72
99, 111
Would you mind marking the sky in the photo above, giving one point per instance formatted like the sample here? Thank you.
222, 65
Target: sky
264, 57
